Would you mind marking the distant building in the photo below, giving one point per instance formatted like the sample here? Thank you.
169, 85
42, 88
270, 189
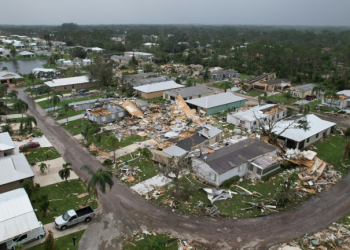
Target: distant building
275, 85
188, 93
221, 75
7, 77
26, 54
302, 91
155, 90
70, 83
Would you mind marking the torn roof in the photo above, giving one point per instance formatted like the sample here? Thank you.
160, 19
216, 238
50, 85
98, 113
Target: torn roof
236, 154
344, 92
132, 109
257, 112
209, 131
316, 125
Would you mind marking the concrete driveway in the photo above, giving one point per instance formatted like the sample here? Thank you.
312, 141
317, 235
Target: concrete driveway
44, 143
51, 174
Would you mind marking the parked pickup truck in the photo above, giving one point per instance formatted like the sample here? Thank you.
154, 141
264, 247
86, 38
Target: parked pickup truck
72, 217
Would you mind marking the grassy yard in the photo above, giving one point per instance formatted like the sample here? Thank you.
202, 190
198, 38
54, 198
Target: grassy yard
63, 197
42, 154
46, 104
244, 76
75, 127
159, 241
124, 142
147, 168
280, 98
254, 93
230, 207
324, 109
218, 85
70, 113
64, 242
331, 150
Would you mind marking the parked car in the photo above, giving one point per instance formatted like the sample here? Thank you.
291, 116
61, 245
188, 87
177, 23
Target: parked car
35, 234
344, 111
112, 95
30, 145
310, 97
270, 102
72, 217
83, 91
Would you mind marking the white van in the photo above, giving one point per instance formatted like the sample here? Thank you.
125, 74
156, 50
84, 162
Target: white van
36, 234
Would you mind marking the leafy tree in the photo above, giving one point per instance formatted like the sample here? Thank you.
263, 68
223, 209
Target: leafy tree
148, 67
288, 193
4, 69
190, 82
288, 96
133, 62
13, 52
101, 71
13, 94
6, 128
26, 124
114, 143
101, 179
206, 75
20, 106
332, 96
64, 173
318, 90
44, 203
50, 242
79, 52
29, 186
225, 85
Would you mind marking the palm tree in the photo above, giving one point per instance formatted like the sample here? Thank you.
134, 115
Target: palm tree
65, 172
332, 96
114, 143
13, 94
225, 85
32, 77
20, 106
56, 100
27, 124
66, 108
318, 90
42, 167
101, 178
346, 148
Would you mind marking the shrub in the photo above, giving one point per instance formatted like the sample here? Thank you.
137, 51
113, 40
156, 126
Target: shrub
231, 181
287, 165
268, 176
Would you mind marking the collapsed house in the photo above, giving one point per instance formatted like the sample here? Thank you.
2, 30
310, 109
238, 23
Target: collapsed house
105, 115
295, 136
273, 85
252, 157
254, 117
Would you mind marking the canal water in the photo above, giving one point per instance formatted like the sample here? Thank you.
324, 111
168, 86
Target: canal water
23, 67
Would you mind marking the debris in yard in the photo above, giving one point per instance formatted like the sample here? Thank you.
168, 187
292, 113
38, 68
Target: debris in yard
264, 208
218, 195
82, 195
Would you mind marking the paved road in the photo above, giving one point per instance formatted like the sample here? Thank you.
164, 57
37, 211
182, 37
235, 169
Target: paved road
124, 210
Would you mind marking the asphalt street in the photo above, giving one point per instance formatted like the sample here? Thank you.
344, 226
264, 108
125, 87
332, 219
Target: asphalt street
125, 211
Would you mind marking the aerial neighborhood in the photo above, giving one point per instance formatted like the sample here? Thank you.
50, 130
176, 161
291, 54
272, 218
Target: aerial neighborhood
103, 126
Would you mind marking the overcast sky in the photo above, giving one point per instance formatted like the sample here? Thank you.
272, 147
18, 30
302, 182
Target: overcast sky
258, 12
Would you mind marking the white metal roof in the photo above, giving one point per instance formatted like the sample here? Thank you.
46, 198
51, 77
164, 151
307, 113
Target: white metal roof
4, 75
158, 86
295, 133
175, 151
67, 81
14, 168
37, 70
17, 215
24, 53
253, 113
6, 142
210, 131
215, 100
138, 53
344, 92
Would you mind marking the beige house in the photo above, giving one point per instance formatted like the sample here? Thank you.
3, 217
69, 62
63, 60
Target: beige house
14, 169
70, 83
303, 90
7, 77
155, 90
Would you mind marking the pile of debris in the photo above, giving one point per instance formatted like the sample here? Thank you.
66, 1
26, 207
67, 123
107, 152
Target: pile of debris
336, 236
129, 173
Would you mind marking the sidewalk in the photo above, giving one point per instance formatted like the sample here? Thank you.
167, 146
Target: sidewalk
73, 118
57, 233
14, 116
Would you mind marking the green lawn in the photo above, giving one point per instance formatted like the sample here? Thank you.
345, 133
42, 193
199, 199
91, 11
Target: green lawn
254, 93
45, 104
324, 109
231, 207
280, 98
124, 142
331, 150
218, 85
244, 76
64, 242
42, 154
159, 241
70, 113
147, 168
75, 127
63, 197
